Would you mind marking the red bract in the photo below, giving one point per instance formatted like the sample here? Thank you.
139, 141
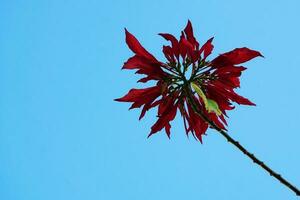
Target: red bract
210, 84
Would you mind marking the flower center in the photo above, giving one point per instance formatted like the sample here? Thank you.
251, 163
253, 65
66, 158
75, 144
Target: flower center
181, 75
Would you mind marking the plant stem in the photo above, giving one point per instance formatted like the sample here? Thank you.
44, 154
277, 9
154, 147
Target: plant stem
239, 146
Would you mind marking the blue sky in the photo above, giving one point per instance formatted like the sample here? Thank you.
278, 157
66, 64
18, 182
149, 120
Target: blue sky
63, 137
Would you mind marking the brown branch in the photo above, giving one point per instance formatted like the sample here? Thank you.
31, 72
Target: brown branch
239, 146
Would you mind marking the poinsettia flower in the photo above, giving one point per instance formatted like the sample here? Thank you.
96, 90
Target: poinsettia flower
187, 75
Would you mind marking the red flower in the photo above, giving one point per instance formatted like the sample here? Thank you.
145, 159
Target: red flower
210, 84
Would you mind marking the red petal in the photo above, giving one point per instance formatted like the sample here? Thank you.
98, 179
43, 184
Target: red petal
207, 48
153, 70
137, 48
184, 117
169, 113
188, 30
223, 119
148, 106
167, 129
169, 54
197, 125
222, 102
186, 48
242, 100
145, 79
136, 95
230, 94
236, 56
232, 70
215, 119
230, 81
174, 42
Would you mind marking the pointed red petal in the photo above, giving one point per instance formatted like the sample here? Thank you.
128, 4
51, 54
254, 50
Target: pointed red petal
231, 70
197, 125
173, 41
153, 70
188, 30
234, 57
229, 94
136, 95
217, 122
169, 54
166, 113
148, 106
137, 48
186, 48
207, 48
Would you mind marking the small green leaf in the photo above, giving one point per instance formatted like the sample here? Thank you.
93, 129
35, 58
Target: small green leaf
200, 93
213, 107
210, 105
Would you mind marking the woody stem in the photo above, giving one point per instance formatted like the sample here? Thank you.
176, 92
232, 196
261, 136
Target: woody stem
238, 145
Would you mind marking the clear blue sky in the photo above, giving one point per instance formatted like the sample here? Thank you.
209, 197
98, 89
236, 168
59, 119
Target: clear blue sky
63, 137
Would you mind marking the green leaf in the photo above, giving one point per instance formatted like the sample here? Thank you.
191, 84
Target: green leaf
210, 105
200, 93
213, 107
